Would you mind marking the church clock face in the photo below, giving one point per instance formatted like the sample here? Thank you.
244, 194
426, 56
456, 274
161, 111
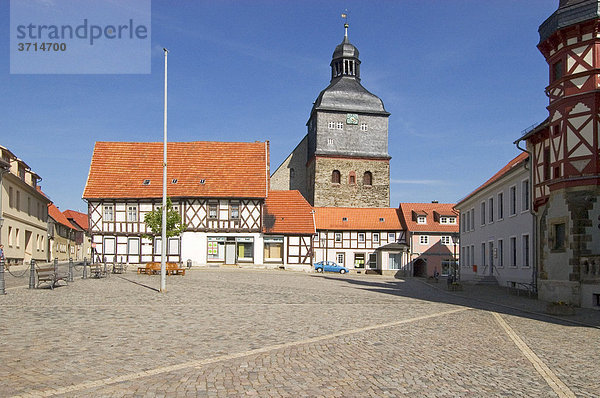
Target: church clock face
351, 118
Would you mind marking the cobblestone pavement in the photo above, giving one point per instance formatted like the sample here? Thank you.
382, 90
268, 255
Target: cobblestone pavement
270, 333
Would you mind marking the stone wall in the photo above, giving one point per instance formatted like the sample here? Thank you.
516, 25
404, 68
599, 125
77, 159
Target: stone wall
283, 178
328, 194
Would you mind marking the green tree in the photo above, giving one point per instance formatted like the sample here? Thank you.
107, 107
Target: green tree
153, 220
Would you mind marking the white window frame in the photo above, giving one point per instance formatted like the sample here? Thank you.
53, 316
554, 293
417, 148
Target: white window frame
512, 200
482, 212
376, 237
340, 258
129, 241
331, 125
421, 219
340, 125
337, 237
361, 237
423, 239
445, 240
500, 206
391, 236
108, 213
364, 127
512, 251
525, 195
525, 255
500, 253
132, 213
472, 211
490, 210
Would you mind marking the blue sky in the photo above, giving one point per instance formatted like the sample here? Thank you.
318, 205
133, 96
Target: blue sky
461, 79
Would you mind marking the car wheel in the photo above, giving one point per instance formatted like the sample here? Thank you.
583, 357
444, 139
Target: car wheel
319, 269
342, 271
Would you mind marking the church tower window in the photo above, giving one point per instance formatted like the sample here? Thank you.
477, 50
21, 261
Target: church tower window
335, 177
368, 178
352, 178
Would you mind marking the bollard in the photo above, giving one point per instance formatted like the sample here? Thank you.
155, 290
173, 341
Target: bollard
2, 284
71, 269
84, 268
32, 274
105, 269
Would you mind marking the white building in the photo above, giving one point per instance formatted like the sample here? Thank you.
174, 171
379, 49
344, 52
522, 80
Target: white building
497, 228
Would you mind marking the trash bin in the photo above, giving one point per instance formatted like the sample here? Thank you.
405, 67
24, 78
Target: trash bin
189, 264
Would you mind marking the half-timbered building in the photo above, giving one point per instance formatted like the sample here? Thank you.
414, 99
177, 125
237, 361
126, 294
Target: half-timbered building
565, 157
289, 227
218, 188
362, 239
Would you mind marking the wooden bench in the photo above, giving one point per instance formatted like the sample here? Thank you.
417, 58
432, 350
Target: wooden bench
519, 287
119, 268
98, 271
154, 268
48, 274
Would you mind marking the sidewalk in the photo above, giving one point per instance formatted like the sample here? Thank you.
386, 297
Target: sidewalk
497, 295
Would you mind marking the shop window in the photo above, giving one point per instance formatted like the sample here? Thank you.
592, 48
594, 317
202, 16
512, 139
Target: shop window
273, 249
359, 260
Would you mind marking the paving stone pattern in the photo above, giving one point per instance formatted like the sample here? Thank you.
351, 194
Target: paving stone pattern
269, 333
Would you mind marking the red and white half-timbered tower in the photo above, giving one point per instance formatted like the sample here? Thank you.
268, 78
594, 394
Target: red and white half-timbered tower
565, 157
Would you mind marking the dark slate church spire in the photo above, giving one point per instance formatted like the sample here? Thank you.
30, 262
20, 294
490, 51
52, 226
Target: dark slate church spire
345, 60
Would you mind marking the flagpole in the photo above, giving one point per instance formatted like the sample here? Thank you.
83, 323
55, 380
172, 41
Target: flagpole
163, 252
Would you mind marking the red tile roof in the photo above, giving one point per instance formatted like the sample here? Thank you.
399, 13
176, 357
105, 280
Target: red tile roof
287, 212
229, 169
79, 219
519, 160
58, 216
433, 212
357, 219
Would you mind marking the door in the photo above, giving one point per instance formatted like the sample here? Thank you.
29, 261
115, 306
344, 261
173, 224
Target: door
28, 246
230, 253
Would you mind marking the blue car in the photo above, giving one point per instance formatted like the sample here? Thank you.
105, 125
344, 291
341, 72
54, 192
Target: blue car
330, 266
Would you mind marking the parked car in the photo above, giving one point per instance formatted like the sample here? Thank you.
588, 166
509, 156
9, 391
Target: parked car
330, 266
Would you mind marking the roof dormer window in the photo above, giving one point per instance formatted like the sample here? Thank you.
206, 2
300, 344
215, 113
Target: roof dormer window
421, 220
146, 182
174, 181
344, 218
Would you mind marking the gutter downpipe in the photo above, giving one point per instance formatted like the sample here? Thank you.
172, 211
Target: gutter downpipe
533, 214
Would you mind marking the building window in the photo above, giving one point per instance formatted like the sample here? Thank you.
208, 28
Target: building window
500, 253
559, 236
513, 251
367, 178
472, 254
173, 246
329, 141
10, 236
212, 211
376, 237
525, 249
513, 200
335, 177
364, 127
245, 249
109, 214
11, 202
472, 219
557, 71
28, 206
483, 254
359, 260
491, 210
352, 178
500, 206
424, 239
339, 257
234, 211
525, 195
18, 201
331, 125
21, 172
133, 246
273, 248
340, 125
361, 237
132, 214
338, 236
445, 240
391, 237
292, 173
373, 260
216, 248
482, 213
491, 253
467, 220
447, 220
421, 220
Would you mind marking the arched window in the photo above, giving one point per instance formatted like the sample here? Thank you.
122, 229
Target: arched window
292, 173
352, 178
368, 178
335, 177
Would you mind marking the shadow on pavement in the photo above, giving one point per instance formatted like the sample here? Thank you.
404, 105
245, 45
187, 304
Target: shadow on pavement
488, 298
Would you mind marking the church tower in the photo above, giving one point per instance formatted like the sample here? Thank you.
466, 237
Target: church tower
348, 160
343, 160
565, 153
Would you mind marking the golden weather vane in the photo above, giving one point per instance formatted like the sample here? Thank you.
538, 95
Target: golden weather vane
345, 18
